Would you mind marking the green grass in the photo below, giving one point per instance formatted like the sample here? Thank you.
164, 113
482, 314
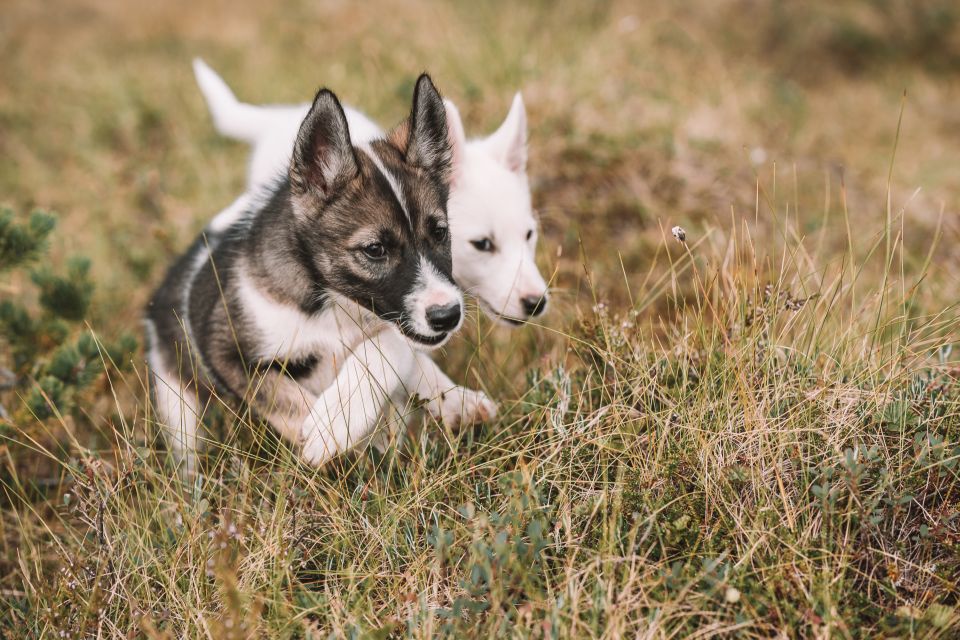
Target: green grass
754, 434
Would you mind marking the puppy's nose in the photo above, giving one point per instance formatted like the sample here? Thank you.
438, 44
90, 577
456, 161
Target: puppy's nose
534, 305
443, 317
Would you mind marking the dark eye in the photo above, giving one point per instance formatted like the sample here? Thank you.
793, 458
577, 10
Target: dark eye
439, 232
375, 251
529, 234
483, 244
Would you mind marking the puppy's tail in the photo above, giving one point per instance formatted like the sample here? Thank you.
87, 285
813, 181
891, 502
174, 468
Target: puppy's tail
232, 118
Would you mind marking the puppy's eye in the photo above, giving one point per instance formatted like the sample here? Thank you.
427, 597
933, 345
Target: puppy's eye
483, 244
439, 232
529, 234
375, 251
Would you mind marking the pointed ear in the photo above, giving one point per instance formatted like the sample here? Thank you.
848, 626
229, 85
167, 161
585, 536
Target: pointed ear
508, 144
457, 137
323, 158
428, 145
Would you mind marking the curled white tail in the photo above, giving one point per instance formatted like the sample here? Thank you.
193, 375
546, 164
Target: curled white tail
232, 118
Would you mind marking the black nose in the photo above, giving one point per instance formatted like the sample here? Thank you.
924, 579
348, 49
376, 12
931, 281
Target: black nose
534, 305
443, 318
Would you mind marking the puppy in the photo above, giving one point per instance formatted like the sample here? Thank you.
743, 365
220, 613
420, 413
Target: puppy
306, 304
493, 226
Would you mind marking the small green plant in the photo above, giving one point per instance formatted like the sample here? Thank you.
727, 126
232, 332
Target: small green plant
502, 566
47, 357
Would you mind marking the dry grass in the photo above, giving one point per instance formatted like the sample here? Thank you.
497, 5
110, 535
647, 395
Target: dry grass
751, 434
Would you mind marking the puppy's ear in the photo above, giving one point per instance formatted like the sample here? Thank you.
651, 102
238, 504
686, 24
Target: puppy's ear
458, 140
508, 144
323, 159
428, 145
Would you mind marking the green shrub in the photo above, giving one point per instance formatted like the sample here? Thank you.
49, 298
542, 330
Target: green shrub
47, 357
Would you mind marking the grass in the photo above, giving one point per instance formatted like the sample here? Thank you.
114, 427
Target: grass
754, 433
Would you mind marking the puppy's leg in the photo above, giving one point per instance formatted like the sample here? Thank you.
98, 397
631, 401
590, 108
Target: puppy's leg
177, 409
283, 402
346, 413
391, 427
446, 401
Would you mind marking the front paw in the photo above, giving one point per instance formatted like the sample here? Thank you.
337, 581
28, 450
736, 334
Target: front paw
461, 407
316, 449
323, 434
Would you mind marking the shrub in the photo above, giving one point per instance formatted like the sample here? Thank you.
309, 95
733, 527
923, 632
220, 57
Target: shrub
48, 359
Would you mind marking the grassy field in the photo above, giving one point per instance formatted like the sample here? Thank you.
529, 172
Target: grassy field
754, 433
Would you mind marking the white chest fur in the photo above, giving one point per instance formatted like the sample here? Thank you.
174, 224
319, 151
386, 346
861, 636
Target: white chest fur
286, 333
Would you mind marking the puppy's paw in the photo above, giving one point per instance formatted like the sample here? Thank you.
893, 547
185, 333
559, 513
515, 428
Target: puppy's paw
461, 407
316, 450
319, 433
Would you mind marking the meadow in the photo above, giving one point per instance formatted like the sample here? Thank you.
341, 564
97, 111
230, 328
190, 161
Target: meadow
753, 432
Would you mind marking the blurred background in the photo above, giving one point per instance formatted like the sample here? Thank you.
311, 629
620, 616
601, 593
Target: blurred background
643, 115
776, 121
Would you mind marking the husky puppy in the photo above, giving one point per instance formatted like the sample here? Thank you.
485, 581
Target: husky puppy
307, 303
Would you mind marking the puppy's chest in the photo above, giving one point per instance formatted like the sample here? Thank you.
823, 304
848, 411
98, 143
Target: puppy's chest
288, 337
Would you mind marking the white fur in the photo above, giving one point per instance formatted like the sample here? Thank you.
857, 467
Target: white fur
225, 219
271, 128
508, 144
450, 403
381, 369
176, 408
287, 333
346, 412
491, 201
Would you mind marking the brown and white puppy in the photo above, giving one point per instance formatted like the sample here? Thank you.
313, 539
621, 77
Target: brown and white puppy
347, 253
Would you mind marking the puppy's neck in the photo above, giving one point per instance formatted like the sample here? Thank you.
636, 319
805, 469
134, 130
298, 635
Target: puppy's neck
277, 259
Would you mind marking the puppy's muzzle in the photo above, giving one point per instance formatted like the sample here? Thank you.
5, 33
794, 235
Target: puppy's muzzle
444, 317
